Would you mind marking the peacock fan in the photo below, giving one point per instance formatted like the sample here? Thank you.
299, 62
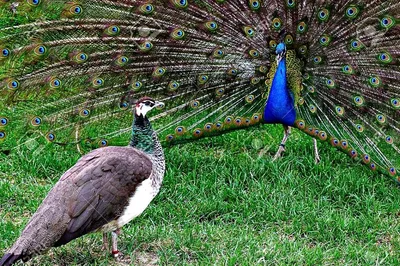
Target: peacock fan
68, 68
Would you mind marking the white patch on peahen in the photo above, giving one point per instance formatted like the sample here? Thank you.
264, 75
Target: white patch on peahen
103, 191
327, 68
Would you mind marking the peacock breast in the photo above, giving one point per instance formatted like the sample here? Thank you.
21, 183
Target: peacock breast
280, 107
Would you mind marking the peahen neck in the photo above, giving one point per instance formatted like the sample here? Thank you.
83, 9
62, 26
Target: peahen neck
280, 108
143, 135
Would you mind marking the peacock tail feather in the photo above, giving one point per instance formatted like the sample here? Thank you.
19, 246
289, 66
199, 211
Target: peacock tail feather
70, 71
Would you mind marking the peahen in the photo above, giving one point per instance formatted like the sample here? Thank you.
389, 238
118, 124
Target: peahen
106, 189
327, 68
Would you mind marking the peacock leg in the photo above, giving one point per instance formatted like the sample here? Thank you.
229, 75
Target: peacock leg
317, 158
114, 238
283, 142
105, 241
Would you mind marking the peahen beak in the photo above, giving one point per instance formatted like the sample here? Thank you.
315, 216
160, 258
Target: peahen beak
158, 104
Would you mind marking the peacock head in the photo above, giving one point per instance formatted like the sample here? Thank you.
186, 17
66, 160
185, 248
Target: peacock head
280, 51
145, 104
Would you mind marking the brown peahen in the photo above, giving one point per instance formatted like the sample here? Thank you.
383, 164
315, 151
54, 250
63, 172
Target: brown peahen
106, 189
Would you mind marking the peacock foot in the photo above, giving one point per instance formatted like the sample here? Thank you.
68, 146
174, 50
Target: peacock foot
279, 153
317, 159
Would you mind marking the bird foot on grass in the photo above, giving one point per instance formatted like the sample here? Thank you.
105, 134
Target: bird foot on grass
278, 153
317, 159
121, 258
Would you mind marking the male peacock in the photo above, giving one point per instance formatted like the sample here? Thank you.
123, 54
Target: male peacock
105, 190
328, 68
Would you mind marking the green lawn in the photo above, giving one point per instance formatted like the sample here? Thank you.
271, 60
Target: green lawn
223, 202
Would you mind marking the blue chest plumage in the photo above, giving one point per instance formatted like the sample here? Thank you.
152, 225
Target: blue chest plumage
279, 108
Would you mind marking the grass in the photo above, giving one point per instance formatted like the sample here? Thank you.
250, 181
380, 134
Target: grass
223, 202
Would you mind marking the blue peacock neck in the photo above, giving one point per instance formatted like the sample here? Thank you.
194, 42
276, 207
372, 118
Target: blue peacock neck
280, 106
142, 134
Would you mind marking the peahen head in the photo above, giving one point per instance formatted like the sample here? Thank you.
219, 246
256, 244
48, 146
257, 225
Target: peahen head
142, 133
144, 105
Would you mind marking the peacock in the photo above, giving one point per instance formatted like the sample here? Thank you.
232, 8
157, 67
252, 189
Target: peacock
70, 69
105, 190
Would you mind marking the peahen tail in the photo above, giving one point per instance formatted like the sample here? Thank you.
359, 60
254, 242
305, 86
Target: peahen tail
70, 71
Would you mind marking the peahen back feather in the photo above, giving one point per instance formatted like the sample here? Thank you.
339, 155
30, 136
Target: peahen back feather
70, 70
